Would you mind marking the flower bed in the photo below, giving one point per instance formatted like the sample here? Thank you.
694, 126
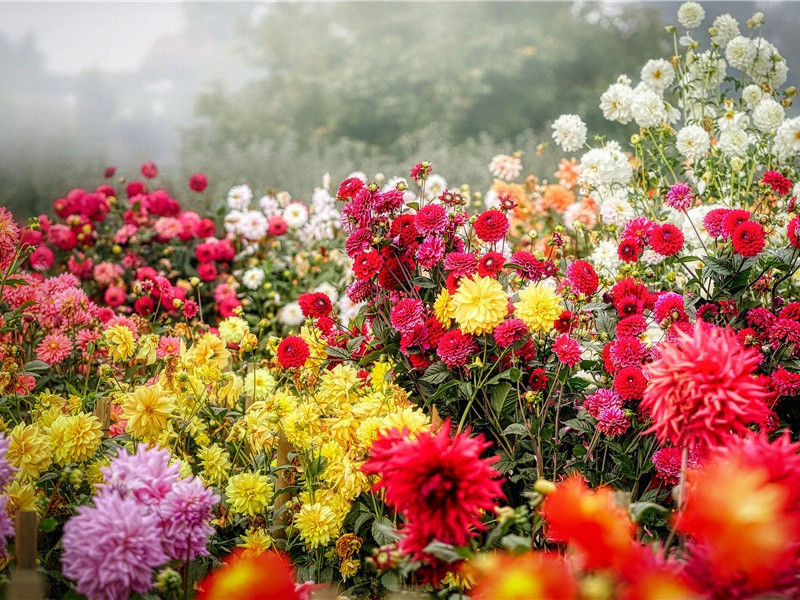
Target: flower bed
576, 390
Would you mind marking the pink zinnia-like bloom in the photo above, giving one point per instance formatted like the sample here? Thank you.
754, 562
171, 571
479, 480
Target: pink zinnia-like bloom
702, 389
567, 350
431, 218
9, 237
6, 470
713, 221
185, 514
787, 383
430, 251
167, 228
359, 290
612, 421
54, 348
146, 476
509, 332
667, 462
168, 345
441, 485
679, 196
461, 264
111, 548
455, 348
114, 296
627, 352
600, 400
41, 259
407, 314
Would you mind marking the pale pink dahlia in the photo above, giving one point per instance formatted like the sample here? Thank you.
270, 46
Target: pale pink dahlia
185, 514
146, 475
54, 348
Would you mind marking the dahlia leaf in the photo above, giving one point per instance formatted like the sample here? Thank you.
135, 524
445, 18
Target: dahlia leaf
516, 542
443, 551
516, 429
384, 532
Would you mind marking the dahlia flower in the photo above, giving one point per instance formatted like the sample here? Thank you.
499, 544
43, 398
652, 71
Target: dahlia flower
293, 352
439, 483
539, 306
479, 304
54, 348
591, 523
582, 277
521, 577
185, 514
111, 548
567, 350
262, 576
455, 348
702, 389
147, 475
753, 544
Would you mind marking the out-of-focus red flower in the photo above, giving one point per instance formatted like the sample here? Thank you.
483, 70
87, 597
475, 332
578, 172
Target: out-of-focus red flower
149, 170
742, 514
110, 172
198, 182
522, 577
592, 524
244, 576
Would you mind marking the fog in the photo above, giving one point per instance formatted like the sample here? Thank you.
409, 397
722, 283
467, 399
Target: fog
85, 85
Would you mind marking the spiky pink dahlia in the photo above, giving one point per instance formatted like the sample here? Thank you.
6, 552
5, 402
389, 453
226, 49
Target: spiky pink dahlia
702, 389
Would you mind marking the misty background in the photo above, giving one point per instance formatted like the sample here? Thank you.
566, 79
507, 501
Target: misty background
277, 94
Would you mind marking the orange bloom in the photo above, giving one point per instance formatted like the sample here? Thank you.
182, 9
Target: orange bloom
591, 523
568, 173
657, 582
266, 576
557, 198
513, 190
522, 577
743, 513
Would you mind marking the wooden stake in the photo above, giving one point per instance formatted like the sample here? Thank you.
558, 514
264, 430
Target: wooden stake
281, 483
26, 583
102, 410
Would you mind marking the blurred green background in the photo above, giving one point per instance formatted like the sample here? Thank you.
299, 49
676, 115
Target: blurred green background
277, 94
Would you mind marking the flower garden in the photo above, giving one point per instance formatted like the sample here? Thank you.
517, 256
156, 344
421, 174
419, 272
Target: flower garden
577, 384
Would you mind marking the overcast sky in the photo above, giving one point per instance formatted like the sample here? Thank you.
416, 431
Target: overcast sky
75, 36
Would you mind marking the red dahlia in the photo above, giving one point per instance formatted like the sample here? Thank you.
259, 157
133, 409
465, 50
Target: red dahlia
777, 182
491, 264
748, 239
630, 383
149, 170
567, 350
350, 187
491, 226
666, 239
403, 228
198, 182
582, 277
293, 352
367, 265
315, 305
732, 219
455, 348
629, 250
441, 485
793, 233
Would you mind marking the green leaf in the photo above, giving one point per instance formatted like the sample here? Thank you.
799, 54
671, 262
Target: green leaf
514, 374
446, 552
391, 581
49, 524
516, 429
35, 365
384, 532
437, 373
337, 352
499, 394
516, 543
640, 509
423, 282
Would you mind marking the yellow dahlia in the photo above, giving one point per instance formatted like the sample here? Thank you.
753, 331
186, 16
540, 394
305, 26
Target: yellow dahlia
147, 410
338, 386
119, 341
255, 541
29, 449
443, 308
249, 493
215, 462
479, 304
539, 307
317, 524
75, 437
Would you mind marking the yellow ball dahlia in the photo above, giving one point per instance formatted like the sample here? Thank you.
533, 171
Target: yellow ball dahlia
539, 307
479, 304
249, 493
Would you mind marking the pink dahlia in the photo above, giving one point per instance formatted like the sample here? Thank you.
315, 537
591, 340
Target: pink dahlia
167, 345
669, 305
147, 475
456, 347
582, 277
601, 400
431, 218
111, 548
461, 264
430, 251
627, 352
679, 196
407, 314
667, 462
509, 332
54, 348
612, 421
567, 350
702, 389
185, 514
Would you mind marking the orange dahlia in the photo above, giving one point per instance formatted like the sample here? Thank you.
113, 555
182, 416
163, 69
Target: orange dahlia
530, 575
266, 576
